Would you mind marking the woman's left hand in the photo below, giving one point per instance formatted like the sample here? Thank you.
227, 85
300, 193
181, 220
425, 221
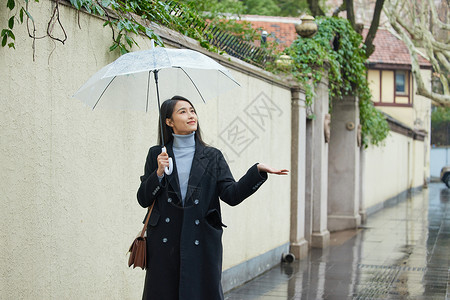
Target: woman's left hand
264, 168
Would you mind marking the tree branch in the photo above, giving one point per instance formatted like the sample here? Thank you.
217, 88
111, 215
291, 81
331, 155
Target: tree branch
350, 13
440, 46
417, 31
370, 48
315, 9
415, 68
341, 8
435, 16
445, 63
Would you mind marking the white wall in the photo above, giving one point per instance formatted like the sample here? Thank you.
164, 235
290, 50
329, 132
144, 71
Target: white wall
69, 175
440, 157
392, 168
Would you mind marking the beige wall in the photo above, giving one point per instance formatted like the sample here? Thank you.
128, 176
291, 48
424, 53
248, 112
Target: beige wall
69, 175
387, 86
417, 117
392, 168
373, 77
262, 222
418, 163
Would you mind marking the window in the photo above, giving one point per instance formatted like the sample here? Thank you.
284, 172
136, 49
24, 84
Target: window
391, 87
400, 82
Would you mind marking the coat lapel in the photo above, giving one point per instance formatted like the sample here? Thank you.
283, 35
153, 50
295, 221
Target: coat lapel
198, 168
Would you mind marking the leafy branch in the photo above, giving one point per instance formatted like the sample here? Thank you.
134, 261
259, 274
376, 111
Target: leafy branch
338, 48
127, 19
7, 35
21, 14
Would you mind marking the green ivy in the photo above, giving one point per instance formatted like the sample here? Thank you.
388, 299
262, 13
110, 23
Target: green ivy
19, 13
125, 18
338, 49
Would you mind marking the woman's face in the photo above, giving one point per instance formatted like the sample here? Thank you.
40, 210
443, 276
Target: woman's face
184, 118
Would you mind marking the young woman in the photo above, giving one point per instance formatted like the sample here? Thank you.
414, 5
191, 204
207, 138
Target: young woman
184, 234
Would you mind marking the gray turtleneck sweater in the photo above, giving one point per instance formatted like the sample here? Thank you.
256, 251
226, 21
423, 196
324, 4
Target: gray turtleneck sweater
183, 150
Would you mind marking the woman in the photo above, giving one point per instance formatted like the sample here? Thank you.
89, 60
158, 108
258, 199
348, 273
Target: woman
184, 234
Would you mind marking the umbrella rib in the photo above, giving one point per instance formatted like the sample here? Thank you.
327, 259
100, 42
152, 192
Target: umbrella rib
103, 92
229, 77
193, 84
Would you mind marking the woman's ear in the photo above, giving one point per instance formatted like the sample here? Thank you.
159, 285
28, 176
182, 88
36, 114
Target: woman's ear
169, 122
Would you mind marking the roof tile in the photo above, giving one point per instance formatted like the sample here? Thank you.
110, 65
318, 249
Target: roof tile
388, 48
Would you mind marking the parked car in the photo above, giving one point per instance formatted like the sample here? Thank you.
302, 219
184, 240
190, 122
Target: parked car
445, 175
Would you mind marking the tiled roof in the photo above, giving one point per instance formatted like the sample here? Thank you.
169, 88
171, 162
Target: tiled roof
388, 48
391, 50
281, 29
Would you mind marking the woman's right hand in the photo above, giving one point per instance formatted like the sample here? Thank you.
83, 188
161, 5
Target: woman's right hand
163, 161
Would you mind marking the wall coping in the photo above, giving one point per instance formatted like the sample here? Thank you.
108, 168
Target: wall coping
178, 40
398, 127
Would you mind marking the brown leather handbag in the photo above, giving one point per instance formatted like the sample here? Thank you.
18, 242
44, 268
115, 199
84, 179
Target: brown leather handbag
138, 249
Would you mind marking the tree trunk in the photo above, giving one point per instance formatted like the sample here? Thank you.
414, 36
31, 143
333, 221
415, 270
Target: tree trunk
370, 48
350, 13
315, 9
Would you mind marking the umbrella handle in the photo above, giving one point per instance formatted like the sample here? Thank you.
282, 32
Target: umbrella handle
168, 170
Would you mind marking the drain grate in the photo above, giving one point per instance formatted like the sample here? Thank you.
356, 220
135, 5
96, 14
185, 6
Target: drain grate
394, 267
379, 280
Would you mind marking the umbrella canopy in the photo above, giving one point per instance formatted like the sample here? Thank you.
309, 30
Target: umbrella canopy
127, 84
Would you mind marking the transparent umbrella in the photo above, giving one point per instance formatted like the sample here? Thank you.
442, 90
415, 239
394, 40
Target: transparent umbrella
128, 84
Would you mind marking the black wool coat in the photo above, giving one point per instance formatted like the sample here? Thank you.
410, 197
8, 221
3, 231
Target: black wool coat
184, 243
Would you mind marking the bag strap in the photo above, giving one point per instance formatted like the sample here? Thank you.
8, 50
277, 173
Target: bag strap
147, 219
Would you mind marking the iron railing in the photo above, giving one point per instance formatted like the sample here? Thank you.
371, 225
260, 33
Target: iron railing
237, 47
224, 41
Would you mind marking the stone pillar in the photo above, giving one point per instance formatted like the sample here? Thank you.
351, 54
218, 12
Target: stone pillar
320, 236
362, 165
344, 160
299, 246
309, 186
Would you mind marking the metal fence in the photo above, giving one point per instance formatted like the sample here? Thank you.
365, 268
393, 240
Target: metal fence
237, 47
224, 41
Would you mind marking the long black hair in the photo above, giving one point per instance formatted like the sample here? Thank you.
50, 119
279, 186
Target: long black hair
167, 108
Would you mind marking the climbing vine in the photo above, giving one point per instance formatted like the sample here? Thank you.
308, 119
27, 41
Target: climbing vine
338, 50
125, 18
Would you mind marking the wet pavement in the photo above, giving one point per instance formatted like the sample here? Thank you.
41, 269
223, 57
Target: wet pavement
402, 252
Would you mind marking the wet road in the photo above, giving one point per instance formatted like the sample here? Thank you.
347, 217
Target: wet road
402, 252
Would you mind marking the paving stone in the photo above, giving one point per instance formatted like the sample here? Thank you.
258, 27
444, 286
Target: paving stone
403, 252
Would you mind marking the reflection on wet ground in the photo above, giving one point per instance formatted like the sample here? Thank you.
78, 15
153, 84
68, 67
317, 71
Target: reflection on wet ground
402, 252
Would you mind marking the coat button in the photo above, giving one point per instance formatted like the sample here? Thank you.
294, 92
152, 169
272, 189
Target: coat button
196, 201
167, 220
164, 240
169, 200
197, 222
196, 242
